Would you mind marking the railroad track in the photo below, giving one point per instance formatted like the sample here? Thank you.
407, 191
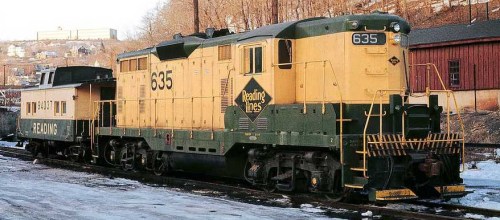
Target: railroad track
458, 208
481, 145
245, 193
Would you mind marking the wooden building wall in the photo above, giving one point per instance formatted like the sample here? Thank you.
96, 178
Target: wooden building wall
485, 55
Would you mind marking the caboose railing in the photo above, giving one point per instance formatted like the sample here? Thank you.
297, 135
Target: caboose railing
381, 93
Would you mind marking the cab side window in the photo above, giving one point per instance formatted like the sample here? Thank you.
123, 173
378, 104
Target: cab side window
253, 60
285, 54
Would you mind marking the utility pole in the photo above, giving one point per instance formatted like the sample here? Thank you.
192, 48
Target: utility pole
4, 73
196, 17
274, 11
470, 13
487, 11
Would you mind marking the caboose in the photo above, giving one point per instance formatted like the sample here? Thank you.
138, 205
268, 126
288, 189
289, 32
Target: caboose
56, 115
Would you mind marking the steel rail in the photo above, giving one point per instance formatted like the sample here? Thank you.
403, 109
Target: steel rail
250, 195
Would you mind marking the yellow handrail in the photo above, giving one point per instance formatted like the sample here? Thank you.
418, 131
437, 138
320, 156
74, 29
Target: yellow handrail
462, 127
428, 92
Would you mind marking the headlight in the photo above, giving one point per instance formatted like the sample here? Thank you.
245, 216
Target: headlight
395, 26
354, 25
396, 39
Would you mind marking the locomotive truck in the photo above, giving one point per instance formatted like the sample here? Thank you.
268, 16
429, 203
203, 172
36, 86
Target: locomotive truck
318, 105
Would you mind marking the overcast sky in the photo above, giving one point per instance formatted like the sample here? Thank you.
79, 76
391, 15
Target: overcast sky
21, 19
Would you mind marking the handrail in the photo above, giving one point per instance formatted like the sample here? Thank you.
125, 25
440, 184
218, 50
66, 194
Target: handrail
335, 84
462, 127
225, 92
381, 93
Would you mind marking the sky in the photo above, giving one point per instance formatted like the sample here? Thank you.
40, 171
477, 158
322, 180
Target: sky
21, 19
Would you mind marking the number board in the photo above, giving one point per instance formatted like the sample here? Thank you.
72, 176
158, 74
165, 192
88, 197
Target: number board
161, 80
369, 39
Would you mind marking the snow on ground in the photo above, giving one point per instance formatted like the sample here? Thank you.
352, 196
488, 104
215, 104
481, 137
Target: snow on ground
8, 144
34, 191
485, 184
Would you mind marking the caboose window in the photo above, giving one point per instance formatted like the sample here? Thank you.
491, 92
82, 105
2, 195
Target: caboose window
253, 60
63, 107
285, 53
33, 107
42, 79
28, 108
51, 77
56, 107
454, 70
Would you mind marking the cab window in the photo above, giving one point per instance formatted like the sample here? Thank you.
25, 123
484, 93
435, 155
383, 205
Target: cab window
253, 60
285, 54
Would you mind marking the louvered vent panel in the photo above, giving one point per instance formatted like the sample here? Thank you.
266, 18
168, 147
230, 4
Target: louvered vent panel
261, 123
142, 106
142, 91
243, 124
224, 99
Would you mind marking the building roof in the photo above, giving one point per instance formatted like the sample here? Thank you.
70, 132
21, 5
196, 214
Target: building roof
455, 32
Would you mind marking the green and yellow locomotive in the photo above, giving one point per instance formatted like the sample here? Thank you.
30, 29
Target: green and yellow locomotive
316, 105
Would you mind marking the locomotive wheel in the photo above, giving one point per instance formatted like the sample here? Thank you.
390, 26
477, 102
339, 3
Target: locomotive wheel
270, 185
110, 155
127, 161
336, 196
159, 164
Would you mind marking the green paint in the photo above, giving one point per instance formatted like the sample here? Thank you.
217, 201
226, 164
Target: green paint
51, 129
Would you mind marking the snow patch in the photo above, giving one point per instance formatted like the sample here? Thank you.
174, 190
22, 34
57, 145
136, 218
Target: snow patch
484, 182
367, 214
28, 190
310, 208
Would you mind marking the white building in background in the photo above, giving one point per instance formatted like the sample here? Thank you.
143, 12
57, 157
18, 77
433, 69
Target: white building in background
16, 51
81, 34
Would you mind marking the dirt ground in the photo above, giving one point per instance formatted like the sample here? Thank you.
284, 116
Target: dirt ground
480, 127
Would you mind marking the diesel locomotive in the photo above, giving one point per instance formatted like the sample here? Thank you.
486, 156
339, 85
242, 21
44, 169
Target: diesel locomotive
318, 105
